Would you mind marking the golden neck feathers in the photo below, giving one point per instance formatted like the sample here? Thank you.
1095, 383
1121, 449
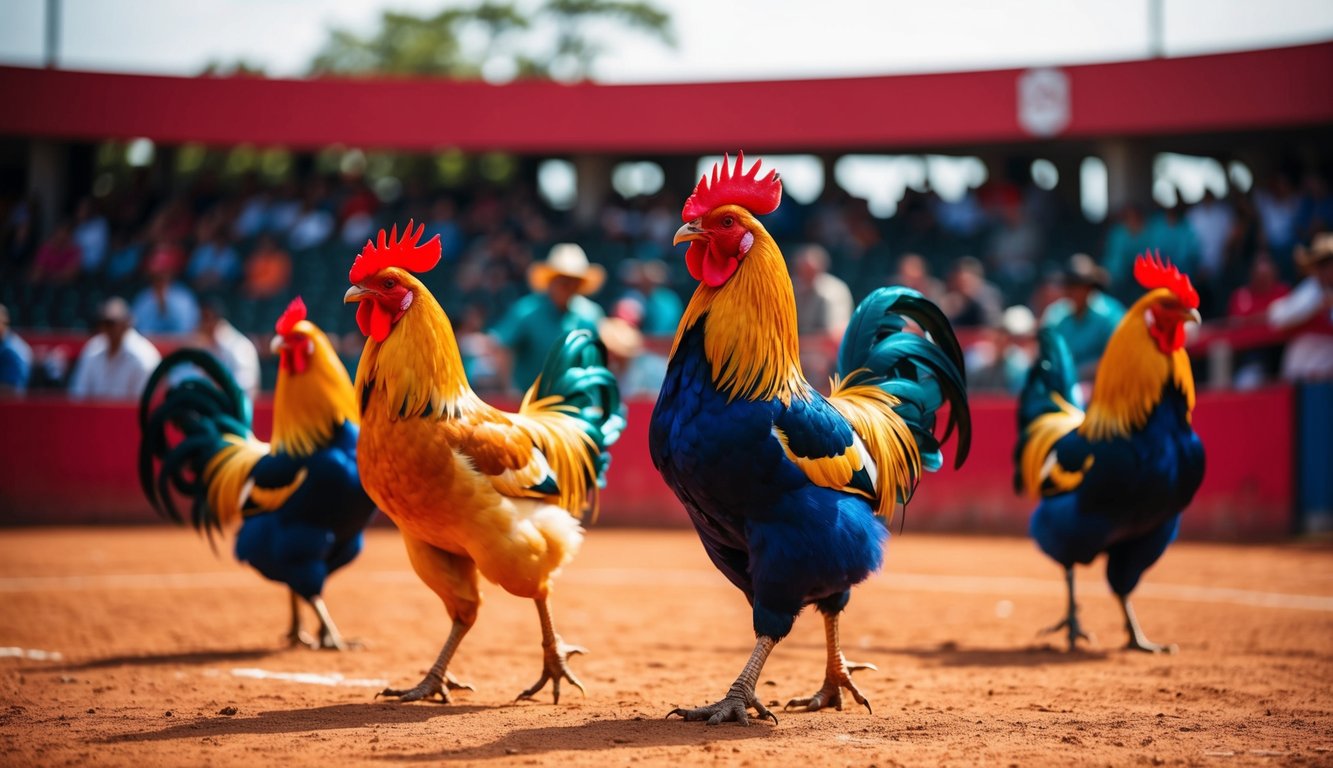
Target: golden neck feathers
750, 334
309, 406
1132, 376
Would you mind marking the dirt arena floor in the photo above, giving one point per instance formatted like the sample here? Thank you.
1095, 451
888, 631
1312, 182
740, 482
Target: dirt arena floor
169, 655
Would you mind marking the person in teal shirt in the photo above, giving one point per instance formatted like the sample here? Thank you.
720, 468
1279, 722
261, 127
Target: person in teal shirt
1086, 317
558, 304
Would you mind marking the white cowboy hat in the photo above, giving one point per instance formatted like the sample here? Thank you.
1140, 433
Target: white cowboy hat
567, 260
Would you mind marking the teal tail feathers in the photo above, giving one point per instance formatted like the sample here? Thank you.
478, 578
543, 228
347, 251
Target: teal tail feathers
877, 349
575, 370
1053, 373
202, 410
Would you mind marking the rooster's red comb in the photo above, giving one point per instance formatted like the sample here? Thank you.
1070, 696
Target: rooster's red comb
1152, 272
395, 252
294, 314
732, 186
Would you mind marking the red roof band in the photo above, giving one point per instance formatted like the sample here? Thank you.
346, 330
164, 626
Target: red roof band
1276, 88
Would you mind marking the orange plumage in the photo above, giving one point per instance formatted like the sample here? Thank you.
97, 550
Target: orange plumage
474, 489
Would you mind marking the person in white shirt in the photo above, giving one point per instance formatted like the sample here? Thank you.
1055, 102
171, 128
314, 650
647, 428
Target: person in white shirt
231, 347
1309, 310
115, 363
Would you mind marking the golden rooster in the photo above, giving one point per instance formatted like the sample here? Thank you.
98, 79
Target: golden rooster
473, 488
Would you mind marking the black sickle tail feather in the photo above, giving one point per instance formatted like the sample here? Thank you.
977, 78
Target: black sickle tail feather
204, 411
877, 349
1053, 373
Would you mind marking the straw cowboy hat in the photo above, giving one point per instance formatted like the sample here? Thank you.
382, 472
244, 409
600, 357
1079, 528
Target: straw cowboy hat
567, 260
1320, 250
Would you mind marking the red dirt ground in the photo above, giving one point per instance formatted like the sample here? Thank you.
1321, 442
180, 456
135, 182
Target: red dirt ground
153, 627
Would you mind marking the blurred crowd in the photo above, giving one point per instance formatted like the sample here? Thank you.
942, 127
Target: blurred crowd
214, 264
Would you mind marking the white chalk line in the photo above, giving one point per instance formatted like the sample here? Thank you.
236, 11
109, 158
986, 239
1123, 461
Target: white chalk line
680, 577
309, 678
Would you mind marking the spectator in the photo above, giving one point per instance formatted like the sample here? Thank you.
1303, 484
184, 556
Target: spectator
214, 263
661, 306
231, 347
1174, 239
558, 304
1086, 317
915, 274
971, 300
1000, 361
639, 371
166, 306
1212, 220
15, 359
92, 235
1128, 238
1279, 207
475, 346
823, 302
444, 223
268, 271
1249, 303
58, 259
1249, 306
116, 362
1308, 311
312, 227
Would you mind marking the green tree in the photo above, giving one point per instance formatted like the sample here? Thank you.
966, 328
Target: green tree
498, 38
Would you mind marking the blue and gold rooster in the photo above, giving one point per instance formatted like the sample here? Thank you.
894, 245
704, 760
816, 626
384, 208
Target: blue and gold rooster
1115, 478
298, 500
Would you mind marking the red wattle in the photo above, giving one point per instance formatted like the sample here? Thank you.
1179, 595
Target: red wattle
363, 316
380, 324
718, 269
694, 259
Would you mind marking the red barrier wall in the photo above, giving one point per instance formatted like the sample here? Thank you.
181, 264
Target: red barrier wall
63, 462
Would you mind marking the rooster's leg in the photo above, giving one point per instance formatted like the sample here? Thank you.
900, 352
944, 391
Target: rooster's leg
438, 681
296, 636
555, 653
1070, 622
837, 675
735, 706
1137, 640
329, 636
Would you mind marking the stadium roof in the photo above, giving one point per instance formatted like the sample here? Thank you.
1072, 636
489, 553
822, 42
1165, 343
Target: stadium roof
1248, 91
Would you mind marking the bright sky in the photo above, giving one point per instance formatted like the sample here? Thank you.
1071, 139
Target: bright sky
743, 39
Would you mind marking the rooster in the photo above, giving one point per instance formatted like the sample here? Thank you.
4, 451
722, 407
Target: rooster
299, 499
791, 491
1115, 478
472, 488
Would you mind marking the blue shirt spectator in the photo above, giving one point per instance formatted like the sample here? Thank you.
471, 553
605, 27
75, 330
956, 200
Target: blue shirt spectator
558, 305
166, 307
1086, 317
15, 359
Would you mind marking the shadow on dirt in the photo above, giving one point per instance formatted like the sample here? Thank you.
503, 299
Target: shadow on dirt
596, 735
952, 655
330, 717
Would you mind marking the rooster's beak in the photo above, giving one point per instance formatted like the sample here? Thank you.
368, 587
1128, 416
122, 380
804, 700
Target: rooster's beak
691, 231
354, 294
1193, 316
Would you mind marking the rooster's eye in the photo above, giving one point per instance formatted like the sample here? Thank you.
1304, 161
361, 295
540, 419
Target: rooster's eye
727, 221
390, 283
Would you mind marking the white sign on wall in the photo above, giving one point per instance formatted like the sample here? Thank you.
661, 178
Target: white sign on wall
1043, 101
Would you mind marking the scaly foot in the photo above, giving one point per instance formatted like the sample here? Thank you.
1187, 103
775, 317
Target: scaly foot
734, 708
1147, 646
428, 688
555, 667
297, 638
1075, 631
831, 694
